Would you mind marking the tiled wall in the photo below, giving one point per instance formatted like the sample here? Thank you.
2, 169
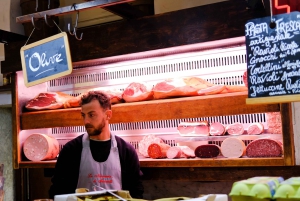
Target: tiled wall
6, 152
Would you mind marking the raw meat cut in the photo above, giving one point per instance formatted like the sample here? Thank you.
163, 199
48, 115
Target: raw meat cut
233, 148
138, 92
114, 95
245, 79
187, 152
200, 128
187, 86
48, 101
174, 152
216, 129
212, 90
38, 147
146, 141
255, 129
234, 88
235, 129
264, 148
158, 150
274, 123
207, 151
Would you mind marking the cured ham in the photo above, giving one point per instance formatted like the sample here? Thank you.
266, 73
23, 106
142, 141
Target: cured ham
216, 129
207, 151
146, 141
138, 92
212, 90
48, 101
38, 147
158, 150
234, 88
264, 148
233, 148
188, 86
255, 129
235, 129
200, 128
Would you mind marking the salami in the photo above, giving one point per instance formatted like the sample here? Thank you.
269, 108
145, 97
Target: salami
233, 148
146, 141
255, 129
264, 148
216, 129
158, 150
207, 151
38, 147
137, 92
235, 129
174, 152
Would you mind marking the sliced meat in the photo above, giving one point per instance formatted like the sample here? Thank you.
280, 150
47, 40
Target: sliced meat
146, 141
187, 152
138, 92
212, 90
48, 101
38, 147
233, 148
264, 148
255, 129
158, 150
235, 129
216, 129
174, 152
207, 151
200, 128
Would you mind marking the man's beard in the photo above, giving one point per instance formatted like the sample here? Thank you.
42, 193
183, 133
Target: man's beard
94, 131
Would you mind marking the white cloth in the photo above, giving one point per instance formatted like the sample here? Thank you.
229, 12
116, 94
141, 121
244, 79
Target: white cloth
106, 174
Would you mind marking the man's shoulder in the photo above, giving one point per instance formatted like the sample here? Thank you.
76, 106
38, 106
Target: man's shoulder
74, 143
124, 145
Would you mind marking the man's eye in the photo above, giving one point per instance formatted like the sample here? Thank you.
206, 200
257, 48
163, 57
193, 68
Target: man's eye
91, 115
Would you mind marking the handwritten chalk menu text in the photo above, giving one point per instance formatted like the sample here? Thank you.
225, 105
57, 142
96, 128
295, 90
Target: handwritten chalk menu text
46, 59
273, 58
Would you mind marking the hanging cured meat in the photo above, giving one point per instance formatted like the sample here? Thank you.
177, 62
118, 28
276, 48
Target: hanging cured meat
264, 148
138, 92
48, 101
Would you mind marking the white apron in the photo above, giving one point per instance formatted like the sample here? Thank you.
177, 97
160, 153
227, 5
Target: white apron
106, 174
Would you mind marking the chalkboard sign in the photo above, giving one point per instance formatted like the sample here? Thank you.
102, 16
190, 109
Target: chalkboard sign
273, 59
46, 59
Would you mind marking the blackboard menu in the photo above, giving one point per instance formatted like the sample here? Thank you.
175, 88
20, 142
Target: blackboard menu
273, 58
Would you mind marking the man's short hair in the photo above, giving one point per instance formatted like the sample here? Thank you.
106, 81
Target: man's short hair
103, 99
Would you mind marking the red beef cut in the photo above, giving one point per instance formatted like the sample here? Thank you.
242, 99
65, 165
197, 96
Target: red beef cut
264, 148
48, 101
137, 92
207, 151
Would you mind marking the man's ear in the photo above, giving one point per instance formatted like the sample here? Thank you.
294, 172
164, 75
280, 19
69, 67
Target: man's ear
108, 114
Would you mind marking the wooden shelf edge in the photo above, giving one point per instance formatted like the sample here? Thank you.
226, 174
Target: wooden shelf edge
185, 107
196, 162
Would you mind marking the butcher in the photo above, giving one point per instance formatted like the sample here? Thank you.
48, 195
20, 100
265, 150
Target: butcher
98, 158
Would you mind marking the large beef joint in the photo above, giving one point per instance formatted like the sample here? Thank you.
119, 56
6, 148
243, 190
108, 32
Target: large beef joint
264, 148
48, 101
207, 151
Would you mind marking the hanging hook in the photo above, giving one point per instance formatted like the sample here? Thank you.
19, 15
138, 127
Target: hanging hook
32, 21
76, 24
36, 5
46, 20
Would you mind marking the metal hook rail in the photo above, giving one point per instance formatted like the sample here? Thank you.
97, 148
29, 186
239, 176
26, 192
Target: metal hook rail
69, 9
74, 33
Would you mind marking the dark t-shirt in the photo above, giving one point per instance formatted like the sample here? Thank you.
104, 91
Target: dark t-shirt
67, 166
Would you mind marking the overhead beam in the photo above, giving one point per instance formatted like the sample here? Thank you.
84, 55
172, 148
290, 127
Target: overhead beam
125, 11
70, 9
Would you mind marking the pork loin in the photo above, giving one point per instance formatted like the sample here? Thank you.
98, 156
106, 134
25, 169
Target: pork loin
48, 101
264, 148
138, 92
255, 128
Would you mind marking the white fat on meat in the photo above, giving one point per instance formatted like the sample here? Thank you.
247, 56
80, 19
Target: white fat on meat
145, 143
